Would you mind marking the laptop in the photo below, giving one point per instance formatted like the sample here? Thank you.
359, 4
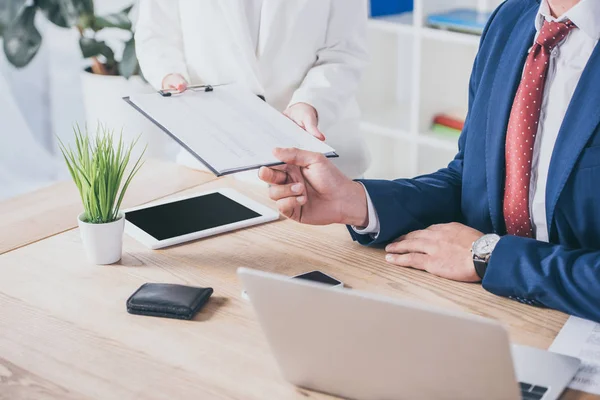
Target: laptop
366, 347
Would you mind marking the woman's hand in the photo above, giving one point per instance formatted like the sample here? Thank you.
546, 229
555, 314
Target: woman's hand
306, 117
174, 82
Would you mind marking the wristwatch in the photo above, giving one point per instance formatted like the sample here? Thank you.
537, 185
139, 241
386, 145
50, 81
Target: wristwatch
482, 251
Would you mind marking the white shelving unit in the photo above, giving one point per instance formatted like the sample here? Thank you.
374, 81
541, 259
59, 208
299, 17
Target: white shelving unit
415, 72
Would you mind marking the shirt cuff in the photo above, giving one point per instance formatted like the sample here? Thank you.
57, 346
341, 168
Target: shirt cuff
373, 227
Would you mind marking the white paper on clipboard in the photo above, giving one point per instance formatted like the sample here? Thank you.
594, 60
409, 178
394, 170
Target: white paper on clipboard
229, 129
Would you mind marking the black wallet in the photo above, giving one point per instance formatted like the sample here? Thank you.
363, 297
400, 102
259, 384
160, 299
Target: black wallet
168, 300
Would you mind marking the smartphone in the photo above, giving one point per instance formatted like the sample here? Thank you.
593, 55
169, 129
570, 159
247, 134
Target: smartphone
314, 276
318, 276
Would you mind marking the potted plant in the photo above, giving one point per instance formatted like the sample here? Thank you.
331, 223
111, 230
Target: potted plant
22, 40
111, 72
100, 167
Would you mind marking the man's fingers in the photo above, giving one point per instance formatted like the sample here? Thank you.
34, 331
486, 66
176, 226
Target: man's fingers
290, 207
421, 234
406, 246
283, 191
410, 260
272, 176
300, 158
314, 130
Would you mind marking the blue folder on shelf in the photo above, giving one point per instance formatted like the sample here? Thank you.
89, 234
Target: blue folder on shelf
460, 20
380, 8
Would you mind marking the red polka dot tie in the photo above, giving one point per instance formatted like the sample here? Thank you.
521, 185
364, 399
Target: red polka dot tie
523, 127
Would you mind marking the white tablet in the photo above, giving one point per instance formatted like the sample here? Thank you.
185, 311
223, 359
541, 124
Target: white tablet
195, 216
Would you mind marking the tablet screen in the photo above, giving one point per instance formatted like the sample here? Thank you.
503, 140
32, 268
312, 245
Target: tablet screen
187, 216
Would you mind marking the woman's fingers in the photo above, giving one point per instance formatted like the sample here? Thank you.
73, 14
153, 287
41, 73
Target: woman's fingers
314, 130
306, 117
174, 82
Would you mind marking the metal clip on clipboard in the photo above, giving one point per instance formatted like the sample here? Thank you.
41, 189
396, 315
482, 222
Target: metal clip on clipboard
170, 92
205, 88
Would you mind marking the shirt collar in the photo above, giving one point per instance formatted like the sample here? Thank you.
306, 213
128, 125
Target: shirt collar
585, 15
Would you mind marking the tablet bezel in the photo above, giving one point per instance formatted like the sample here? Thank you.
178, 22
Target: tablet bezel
266, 215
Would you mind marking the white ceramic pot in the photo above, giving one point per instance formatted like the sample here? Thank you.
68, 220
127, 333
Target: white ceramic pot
103, 243
103, 102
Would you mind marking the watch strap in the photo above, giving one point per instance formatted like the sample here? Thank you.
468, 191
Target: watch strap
480, 267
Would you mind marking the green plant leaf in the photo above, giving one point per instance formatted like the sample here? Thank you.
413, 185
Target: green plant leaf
91, 47
53, 12
97, 166
77, 12
9, 11
129, 65
118, 20
22, 40
127, 9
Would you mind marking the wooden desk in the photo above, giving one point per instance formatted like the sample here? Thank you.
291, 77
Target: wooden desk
65, 333
48, 211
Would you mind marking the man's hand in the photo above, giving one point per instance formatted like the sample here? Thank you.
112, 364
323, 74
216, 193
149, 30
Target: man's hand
305, 116
174, 82
443, 250
311, 190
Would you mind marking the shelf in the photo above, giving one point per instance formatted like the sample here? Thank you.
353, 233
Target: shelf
394, 122
417, 71
391, 158
449, 36
398, 23
390, 120
438, 141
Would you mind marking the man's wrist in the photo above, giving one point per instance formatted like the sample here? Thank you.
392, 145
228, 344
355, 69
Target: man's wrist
481, 250
354, 208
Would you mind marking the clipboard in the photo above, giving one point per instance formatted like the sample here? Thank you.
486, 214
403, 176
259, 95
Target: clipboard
160, 106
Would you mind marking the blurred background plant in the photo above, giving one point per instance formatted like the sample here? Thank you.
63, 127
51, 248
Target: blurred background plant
22, 39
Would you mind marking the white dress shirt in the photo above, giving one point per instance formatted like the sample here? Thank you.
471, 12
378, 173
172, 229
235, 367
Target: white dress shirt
567, 63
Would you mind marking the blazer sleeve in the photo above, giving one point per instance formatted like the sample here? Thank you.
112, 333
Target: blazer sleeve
336, 73
546, 274
406, 205
159, 41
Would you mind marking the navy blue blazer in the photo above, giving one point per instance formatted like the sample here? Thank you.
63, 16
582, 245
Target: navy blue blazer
563, 274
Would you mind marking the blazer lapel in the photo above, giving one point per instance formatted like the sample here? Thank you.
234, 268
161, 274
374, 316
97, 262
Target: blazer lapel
234, 13
504, 88
580, 122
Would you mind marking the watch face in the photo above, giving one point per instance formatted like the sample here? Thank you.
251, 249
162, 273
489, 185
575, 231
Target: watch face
485, 245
